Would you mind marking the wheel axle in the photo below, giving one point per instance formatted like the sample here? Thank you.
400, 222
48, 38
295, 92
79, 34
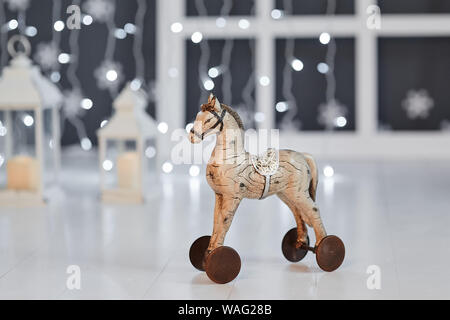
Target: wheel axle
306, 247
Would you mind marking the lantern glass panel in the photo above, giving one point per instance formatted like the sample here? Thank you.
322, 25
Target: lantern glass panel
19, 164
23, 133
121, 165
48, 145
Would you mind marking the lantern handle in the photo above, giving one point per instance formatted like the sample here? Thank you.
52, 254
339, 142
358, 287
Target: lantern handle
22, 40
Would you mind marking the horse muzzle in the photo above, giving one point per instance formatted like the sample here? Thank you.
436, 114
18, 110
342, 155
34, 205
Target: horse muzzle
195, 137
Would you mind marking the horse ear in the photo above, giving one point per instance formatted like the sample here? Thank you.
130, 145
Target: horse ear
210, 98
216, 104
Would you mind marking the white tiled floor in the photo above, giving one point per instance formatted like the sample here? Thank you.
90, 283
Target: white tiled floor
392, 214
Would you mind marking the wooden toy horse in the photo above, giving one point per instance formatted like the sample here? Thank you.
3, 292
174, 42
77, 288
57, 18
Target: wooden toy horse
234, 174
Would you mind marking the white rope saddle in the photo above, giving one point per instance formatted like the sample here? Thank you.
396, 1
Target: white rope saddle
266, 165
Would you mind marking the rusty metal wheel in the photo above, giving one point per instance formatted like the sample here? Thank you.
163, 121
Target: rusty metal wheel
330, 253
290, 252
223, 264
197, 252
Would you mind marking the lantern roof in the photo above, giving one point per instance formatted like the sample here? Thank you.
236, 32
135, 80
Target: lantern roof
22, 86
130, 120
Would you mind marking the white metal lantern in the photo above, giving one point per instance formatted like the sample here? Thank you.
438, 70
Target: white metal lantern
29, 130
125, 144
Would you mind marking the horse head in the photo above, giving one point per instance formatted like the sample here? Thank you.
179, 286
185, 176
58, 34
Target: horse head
209, 120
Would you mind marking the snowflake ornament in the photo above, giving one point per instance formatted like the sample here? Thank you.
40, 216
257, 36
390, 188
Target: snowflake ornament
109, 75
100, 10
417, 104
72, 103
18, 5
329, 113
47, 55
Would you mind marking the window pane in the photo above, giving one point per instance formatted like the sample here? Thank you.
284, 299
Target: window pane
413, 83
234, 86
309, 86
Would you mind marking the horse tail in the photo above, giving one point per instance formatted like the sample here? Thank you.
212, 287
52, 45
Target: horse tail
314, 175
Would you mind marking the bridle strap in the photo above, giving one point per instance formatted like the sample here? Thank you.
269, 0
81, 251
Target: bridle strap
266, 187
219, 121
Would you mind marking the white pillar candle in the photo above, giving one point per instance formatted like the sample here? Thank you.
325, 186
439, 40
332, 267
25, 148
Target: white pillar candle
128, 170
22, 173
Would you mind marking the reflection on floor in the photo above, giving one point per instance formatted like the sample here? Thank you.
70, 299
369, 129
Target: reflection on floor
394, 215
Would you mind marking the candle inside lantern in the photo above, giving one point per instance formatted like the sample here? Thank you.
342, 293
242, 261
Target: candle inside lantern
22, 173
128, 170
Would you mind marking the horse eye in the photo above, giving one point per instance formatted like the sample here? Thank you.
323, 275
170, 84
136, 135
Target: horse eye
208, 120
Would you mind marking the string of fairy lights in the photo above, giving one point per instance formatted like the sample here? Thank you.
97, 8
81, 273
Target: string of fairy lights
138, 55
3, 35
289, 105
109, 75
331, 114
207, 73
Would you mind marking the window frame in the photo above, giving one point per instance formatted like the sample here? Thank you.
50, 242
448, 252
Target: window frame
366, 141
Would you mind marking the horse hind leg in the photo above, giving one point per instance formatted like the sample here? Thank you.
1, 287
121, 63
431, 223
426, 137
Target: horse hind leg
312, 216
302, 231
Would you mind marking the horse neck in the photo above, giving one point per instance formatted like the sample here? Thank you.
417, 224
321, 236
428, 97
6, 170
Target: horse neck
229, 143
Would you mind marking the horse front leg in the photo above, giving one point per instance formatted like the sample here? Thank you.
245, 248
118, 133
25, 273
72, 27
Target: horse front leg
224, 211
221, 263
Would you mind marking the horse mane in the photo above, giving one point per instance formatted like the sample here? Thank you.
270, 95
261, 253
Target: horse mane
234, 114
